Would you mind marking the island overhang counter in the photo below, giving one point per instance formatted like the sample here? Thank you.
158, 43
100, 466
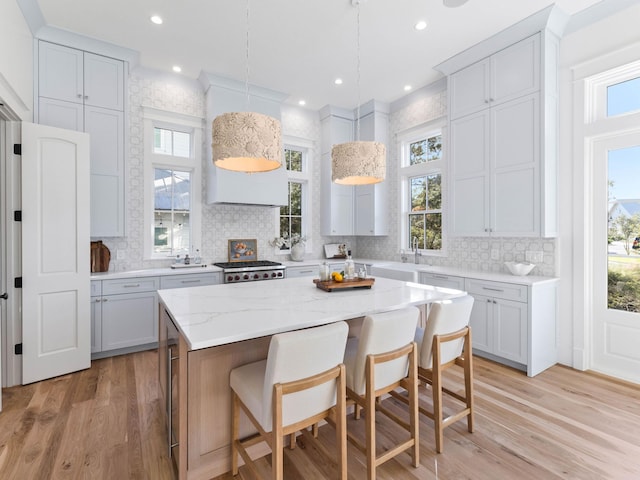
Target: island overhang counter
205, 332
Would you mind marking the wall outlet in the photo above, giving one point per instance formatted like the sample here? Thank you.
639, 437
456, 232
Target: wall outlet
533, 256
120, 254
495, 254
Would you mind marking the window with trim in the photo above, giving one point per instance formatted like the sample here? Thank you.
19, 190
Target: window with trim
421, 174
172, 184
293, 217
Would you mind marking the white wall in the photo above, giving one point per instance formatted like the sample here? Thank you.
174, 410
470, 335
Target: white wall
607, 37
16, 61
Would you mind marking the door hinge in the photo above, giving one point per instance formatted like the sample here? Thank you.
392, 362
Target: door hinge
17, 349
17, 149
17, 216
17, 282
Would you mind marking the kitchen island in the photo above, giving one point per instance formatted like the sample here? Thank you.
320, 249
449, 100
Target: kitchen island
207, 331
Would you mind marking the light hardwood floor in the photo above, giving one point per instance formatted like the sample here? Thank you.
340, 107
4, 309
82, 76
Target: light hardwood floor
106, 423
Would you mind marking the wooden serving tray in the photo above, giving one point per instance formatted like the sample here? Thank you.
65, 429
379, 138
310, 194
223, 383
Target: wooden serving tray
331, 285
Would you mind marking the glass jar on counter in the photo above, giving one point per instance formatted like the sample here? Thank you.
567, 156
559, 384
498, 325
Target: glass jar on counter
323, 272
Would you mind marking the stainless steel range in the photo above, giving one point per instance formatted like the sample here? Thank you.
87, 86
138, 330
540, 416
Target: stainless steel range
253, 271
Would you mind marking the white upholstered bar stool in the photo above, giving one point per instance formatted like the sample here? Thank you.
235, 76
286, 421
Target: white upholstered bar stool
301, 382
446, 342
381, 359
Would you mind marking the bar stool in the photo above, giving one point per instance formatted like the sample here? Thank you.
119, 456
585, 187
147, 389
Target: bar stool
301, 382
444, 343
381, 359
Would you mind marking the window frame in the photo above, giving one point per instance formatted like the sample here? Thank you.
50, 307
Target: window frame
406, 172
155, 118
304, 179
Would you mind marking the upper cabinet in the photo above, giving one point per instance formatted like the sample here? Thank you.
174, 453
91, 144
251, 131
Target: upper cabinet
503, 149
508, 74
83, 91
80, 77
353, 210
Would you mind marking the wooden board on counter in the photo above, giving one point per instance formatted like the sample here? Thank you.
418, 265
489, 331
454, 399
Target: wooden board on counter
331, 285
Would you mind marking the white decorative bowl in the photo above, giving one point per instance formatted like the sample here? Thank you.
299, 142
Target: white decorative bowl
520, 269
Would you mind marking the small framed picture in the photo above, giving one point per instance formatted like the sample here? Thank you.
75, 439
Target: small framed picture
243, 250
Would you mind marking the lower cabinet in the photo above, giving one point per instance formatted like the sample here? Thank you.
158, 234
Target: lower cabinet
515, 324
441, 280
306, 271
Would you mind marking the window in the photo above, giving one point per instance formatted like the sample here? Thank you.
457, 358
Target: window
293, 218
421, 176
172, 184
623, 97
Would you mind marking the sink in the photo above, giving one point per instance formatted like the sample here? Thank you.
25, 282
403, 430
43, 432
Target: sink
401, 271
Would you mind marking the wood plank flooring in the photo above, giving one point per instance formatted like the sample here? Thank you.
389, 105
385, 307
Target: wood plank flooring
107, 423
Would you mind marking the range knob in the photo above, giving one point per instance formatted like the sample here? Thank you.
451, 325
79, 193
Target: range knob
279, 274
237, 277
266, 275
273, 274
256, 276
230, 278
245, 277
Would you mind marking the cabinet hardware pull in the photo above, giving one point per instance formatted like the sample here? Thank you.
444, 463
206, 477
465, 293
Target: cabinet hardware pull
191, 281
133, 285
493, 289
79, 95
444, 277
305, 271
98, 300
105, 299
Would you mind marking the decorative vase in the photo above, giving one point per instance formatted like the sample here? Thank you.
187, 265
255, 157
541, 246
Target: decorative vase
297, 252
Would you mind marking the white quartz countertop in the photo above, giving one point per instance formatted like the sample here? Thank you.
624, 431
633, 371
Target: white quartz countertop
215, 315
153, 272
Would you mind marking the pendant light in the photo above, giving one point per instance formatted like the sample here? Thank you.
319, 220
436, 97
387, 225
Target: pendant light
358, 162
247, 142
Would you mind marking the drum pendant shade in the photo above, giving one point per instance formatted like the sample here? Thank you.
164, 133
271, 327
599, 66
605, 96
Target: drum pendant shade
358, 163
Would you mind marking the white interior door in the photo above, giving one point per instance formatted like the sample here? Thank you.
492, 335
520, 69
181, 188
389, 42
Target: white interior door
616, 282
56, 317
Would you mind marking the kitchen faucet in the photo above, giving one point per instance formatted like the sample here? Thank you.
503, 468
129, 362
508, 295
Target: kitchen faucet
415, 249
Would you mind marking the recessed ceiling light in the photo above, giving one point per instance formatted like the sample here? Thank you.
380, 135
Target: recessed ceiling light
407, 88
338, 81
302, 103
157, 19
421, 25
177, 68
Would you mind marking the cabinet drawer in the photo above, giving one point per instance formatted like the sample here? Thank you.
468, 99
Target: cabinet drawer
506, 291
308, 271
96, 288
130, 285
440, 280
192, 280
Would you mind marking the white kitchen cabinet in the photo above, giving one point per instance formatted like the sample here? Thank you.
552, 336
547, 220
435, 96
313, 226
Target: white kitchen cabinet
75, 76
515, 324
337, 209
190, 280
495, 170
124, 315
442, 280
302, 271
85, 92
508, 74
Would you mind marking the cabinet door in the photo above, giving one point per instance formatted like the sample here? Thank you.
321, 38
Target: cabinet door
341, 210
470, 185
469, 89
481, 323
107, 165
510, 334
308, 271
365, 212
103, 82
60, 72
515, 160
129, 320
439, 280
190, 280
96, 324
515, 70
61, 114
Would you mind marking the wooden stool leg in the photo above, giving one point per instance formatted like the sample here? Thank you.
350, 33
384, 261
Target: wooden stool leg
235, 431
414, 412
468, 379
436, 387
292, 441
370, 418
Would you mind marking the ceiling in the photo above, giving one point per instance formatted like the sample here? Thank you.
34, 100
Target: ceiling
299, 47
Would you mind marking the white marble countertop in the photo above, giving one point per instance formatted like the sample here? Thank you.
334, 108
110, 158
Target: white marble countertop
153, 272
215, 315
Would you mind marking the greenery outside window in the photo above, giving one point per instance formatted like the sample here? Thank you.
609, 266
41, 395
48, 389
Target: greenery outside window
421, 173
172, 211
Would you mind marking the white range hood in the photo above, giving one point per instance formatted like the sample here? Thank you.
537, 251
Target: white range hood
223, 186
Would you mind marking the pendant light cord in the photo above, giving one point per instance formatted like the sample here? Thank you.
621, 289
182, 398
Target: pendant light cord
358, 77
246, 79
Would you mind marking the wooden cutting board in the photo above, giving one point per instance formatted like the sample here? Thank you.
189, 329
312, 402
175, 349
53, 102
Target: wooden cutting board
331, 285
100, 257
